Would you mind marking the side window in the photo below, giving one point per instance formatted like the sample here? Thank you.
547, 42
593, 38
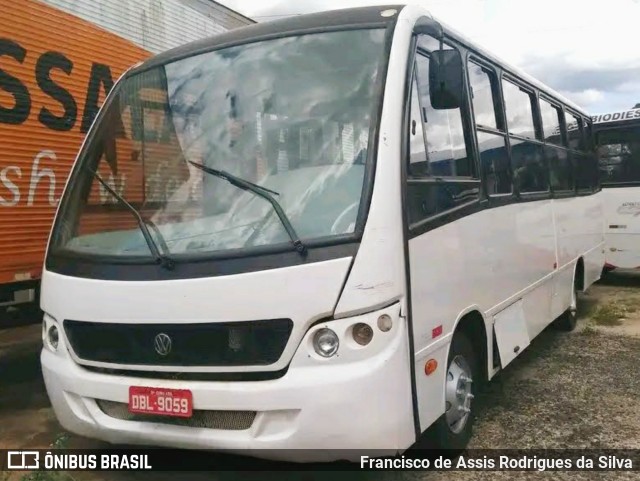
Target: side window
437, 149
590, 147
492, 144
550, 123
560, 169
418, 164
561, 176
519, 112
584, 172
583, 162
494, 157
446, 148
529, 169
589, 142
528, 161
590, 159
482, 95
575, 132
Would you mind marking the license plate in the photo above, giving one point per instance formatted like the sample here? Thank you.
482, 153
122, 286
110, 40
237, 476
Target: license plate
160, 401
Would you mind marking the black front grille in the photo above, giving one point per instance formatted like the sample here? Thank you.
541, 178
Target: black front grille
247, 376
211, 344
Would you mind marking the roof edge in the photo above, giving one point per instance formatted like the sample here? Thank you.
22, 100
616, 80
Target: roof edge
328, 19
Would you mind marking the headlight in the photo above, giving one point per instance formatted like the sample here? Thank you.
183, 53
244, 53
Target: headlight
362, 333
50, 333
53, 337
385, 323
325, 342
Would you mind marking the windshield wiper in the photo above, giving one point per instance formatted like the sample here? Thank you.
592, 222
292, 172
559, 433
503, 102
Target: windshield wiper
163, 259
261, 192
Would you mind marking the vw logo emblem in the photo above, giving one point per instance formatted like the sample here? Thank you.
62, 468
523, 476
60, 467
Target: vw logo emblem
162, 344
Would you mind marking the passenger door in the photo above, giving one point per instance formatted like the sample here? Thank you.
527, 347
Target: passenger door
442, 192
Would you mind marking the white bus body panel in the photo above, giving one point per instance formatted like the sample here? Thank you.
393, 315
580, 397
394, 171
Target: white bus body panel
623, 226
511, 332
305, 294
505, 259
490, 257
374, 283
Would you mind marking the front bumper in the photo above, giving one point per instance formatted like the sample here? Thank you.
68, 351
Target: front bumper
354, 403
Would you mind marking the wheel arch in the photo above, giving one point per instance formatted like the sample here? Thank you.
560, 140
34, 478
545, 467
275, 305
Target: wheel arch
578, 274
472, 323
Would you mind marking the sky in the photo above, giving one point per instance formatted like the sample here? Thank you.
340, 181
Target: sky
588, 50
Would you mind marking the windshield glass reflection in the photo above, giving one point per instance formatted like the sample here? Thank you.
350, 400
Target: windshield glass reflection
292, 115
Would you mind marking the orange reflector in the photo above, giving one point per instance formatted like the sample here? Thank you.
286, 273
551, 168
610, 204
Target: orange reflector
430, 367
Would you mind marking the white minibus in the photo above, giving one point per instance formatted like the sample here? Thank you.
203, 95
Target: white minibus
314, 237
617, 137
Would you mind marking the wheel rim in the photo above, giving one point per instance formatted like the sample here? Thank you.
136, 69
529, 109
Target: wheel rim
458, 394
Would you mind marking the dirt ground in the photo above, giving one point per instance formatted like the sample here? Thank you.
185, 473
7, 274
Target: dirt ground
567, 390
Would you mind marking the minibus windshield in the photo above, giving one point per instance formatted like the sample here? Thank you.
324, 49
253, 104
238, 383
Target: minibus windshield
293, 115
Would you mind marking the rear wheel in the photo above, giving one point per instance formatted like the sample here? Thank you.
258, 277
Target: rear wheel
569, 319
606, 270
453, 430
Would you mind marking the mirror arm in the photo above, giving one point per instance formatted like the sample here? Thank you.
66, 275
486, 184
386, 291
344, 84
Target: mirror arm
429, 26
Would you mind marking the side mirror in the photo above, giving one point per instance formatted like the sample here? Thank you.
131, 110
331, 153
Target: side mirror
446, 86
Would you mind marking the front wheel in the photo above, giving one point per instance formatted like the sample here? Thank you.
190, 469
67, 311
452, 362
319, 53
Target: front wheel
453, 430
569, 319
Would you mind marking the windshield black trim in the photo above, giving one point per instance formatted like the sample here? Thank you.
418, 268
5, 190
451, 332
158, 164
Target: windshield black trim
225, 254
118, 269
334, 20
374, 137
263, 38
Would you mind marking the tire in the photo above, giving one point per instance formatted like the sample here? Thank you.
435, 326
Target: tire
448, 433
569, 319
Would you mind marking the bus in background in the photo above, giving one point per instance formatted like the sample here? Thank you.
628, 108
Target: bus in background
352, 240
617, 136
58, 60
